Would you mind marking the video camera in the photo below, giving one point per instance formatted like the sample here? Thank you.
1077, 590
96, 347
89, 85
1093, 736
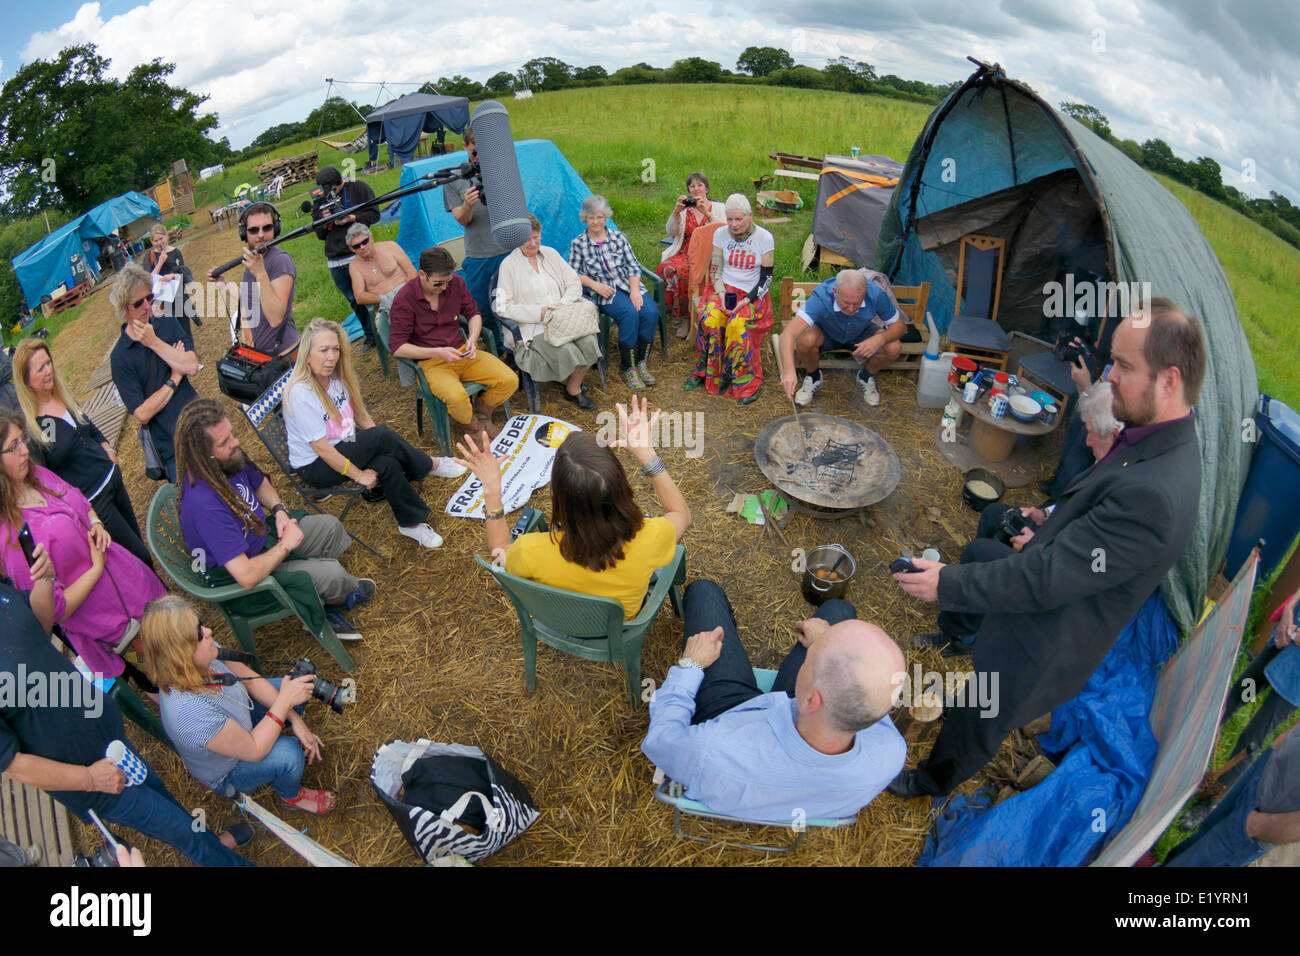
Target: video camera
323, 202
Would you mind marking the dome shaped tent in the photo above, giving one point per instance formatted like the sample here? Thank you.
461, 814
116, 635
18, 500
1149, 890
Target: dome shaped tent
995, 159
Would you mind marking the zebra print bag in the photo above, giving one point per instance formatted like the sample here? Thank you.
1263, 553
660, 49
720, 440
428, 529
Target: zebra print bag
488, 796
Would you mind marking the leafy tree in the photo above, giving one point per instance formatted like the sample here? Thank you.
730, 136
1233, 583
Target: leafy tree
280, 133
1207, 176
695, 69
502, 82
459, 86
545, 73
15, 236
849, 76
335, 113
1132, 149
589, 74
71, 136
1089, 116
762, 60
638, 73
803, 77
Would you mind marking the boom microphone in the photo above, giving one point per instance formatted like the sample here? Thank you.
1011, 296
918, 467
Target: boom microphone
507, 208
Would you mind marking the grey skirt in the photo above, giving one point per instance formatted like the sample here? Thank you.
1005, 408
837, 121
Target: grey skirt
545, 362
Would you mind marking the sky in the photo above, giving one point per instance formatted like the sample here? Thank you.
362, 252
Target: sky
1209, 78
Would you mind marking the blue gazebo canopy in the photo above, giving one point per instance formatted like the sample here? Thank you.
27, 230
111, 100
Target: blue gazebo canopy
400, 123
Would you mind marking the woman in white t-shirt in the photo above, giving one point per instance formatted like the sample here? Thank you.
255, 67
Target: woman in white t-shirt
728, 345
332, 437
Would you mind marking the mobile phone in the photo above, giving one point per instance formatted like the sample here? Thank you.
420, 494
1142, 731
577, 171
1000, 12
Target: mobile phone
108, 837
27, 543
904, 566
729, 300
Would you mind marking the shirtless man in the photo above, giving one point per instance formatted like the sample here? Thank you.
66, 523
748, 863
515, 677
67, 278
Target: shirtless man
379, 268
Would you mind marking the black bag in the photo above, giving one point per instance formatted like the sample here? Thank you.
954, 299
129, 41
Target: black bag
450, 799
245, 374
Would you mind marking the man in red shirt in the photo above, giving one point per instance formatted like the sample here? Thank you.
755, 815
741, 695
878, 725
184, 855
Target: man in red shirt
423, 327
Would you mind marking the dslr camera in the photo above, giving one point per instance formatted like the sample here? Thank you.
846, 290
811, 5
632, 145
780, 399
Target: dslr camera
689, 202
322, 690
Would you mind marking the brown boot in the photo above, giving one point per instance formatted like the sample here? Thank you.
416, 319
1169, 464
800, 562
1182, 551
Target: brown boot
483, 417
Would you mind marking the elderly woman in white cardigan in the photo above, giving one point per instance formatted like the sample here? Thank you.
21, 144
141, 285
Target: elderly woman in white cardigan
534, 284
689, 212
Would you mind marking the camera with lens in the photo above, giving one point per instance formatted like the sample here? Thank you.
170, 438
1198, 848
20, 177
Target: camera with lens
689, 202
322, 690
1013, 522
324, 202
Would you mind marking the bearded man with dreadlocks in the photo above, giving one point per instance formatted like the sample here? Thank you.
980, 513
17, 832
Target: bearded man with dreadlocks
225, 501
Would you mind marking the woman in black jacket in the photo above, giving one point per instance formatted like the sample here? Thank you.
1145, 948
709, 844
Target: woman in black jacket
71, 446
166, 263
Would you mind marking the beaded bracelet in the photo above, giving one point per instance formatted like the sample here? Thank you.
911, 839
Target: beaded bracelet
653, 467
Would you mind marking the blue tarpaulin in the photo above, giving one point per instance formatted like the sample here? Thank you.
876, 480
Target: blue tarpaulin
400, 123
552, 188
44, 265
1104, 750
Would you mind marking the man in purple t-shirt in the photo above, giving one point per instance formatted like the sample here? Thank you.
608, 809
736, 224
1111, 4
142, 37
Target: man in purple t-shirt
266, 288
225, 501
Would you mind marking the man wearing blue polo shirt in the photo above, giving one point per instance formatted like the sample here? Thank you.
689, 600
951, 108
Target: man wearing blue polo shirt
848, 311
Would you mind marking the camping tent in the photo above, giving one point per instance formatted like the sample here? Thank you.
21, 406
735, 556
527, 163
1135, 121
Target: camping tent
400, 123
994, 159
852, 196
552, 188
42, 266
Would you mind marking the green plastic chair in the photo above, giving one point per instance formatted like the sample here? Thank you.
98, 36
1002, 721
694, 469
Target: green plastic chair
655, 284
587, 626
167, 543
424, 397
673, 794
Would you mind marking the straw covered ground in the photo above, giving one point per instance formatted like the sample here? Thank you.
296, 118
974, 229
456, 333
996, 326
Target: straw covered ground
442, 656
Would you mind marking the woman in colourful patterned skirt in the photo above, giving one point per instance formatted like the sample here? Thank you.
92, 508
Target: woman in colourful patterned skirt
728, 343
691, 211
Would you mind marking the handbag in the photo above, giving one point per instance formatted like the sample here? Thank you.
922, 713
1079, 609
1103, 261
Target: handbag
450, 799
245, 374
569, 322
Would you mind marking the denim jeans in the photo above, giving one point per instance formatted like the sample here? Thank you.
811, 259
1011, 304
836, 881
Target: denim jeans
729, 680
635, 326
150, 809
1221, 840
282, 767
478, 274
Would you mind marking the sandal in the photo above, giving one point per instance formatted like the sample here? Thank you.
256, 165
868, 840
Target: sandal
312, 801
240, 833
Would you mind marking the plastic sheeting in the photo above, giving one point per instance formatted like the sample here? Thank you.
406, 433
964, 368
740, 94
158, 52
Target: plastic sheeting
1109, 750
400, 123
552, 188
852, 196
992, 135
44, 265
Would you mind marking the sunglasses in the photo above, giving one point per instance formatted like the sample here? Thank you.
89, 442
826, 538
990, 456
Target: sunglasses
258, 230
199, 638
439, 283
141, 301
360, 244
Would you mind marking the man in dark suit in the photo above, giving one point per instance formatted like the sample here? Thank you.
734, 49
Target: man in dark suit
1053, 611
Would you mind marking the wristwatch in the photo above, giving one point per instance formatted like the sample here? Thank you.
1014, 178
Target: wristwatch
170, 384
689, 662
278, 506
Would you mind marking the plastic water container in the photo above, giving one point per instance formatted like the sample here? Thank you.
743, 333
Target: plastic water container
932, 383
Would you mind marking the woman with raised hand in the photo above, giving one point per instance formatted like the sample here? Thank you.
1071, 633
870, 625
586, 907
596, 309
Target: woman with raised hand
72, 446
600, 541
226, 720
332, 437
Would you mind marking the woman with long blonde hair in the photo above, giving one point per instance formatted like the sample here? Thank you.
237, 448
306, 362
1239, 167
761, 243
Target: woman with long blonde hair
225, 719
166, 262
71, 446
333, 438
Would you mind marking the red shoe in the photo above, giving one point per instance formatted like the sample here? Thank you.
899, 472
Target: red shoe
312, 801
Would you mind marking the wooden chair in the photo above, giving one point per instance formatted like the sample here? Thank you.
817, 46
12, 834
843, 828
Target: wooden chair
29, 816
974, 331
911, 300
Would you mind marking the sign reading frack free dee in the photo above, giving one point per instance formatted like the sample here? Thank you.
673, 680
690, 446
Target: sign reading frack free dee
528, 444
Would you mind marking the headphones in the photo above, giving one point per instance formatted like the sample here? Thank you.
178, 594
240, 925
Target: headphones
259, 207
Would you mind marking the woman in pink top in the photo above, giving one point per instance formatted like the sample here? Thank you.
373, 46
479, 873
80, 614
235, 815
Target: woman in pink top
99, 586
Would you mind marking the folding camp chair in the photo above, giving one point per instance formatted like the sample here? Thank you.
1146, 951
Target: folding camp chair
672, 793
167, 542
586, 626
974, 330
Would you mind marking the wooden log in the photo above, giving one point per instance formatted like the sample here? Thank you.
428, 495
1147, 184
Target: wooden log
1034, 774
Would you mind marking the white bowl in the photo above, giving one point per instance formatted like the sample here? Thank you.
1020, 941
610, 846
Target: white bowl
1024, 408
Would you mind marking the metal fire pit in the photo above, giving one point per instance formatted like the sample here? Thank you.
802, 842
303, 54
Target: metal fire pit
848, 466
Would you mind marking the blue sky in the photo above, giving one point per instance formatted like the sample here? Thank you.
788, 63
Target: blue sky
1210, 79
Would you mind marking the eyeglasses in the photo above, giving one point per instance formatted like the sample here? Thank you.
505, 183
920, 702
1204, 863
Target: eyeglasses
361, 243
141, 301
258, 230
13, 446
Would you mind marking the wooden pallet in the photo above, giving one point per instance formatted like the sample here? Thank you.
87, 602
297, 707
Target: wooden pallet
72, 297
294, 169
106, 410
30, 816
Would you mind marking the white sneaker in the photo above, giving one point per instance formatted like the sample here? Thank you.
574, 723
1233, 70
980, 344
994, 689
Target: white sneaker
867, 383
808, 389
447, 468
423, 534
